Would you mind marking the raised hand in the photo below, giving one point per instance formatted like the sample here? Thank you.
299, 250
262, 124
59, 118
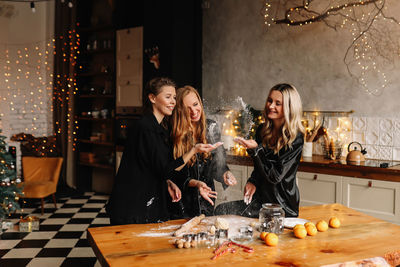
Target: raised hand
249, 191
205, 148
246, 143
206, 192
174, 191
229, 178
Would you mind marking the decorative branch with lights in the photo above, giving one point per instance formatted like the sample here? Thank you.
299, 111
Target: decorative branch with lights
374, 41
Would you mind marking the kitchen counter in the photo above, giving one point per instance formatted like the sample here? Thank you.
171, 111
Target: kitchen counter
318, 164
359, 237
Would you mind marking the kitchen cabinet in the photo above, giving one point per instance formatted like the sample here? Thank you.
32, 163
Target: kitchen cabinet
129, 80
376, 198
317, 189
233, 192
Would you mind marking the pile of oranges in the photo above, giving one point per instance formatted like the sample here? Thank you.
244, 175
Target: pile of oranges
311, 229
301, 231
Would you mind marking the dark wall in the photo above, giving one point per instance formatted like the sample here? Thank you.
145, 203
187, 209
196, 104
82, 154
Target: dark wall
175, 27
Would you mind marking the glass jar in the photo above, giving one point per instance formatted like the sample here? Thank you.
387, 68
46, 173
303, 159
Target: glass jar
271, 218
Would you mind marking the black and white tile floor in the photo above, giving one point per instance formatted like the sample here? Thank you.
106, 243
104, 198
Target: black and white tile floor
61, 239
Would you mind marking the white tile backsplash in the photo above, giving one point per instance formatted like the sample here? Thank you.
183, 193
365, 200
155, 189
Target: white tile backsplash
380, 136
359, 124
359, 136
385, 153
386, 125
372, 138
373, 125
396, 153
386, 139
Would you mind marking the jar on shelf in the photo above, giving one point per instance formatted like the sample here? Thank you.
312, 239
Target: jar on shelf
271, 218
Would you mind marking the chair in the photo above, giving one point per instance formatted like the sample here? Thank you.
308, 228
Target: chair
41, 176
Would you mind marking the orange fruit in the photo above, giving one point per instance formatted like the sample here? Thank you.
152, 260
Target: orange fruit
309, 223
298, 226
334, 222
271, 239
300, 232
322, 226
311, 229
263, 235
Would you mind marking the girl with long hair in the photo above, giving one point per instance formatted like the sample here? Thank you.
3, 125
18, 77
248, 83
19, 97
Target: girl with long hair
276, 154
189, 127
143, 186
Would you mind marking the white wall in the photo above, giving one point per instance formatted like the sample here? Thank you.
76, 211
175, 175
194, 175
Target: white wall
25, 89
242, 58
26, 99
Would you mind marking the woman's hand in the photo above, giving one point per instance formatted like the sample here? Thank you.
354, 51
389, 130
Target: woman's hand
174, 191
205, 148
249, 144
206, 192
229, 179
249, 191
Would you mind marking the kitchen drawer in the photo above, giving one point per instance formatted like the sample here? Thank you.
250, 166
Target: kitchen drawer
317, 189
380, 199
229, 194
240, 173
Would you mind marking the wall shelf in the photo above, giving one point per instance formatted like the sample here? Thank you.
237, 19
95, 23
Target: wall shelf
328, 113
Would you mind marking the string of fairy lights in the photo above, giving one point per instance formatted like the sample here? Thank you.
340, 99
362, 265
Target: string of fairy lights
66, 85
363, 59
30, 93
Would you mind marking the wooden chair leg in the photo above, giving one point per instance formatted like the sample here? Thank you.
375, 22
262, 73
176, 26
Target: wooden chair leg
42, 206
54, 200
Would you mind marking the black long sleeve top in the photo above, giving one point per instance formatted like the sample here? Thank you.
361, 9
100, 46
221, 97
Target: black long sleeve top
140, 192
206, 171
274, 175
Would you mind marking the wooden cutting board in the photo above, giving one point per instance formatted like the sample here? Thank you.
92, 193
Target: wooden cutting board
360, 237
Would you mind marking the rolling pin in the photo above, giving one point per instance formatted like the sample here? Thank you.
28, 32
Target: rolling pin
189, 224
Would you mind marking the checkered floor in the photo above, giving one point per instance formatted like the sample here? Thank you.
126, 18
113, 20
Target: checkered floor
61, 239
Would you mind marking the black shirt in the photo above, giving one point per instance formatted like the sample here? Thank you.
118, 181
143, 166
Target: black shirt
140, 191
206, 171
274, 175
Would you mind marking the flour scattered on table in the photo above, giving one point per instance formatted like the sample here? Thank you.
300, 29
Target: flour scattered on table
160, 231
155, 234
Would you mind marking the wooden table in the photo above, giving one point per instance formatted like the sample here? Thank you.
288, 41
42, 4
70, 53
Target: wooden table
360, 237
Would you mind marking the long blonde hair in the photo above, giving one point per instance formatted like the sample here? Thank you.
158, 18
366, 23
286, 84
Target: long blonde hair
292, 110
185, 134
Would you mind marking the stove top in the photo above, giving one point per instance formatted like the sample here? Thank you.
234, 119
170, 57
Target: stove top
373, 163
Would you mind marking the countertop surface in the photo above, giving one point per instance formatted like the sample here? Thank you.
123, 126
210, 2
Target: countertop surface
359, 237
370, 169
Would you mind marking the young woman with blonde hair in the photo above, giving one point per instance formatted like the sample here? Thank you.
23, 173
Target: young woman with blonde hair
276, 154
189, 127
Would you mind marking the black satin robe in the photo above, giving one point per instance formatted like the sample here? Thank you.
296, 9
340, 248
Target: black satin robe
140, 191
274, 175
206, 171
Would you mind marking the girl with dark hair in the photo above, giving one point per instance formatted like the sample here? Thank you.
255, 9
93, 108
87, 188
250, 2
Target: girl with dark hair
276, 155
190, 126
143, 183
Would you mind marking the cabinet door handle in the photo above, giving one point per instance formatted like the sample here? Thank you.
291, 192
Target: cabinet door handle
128, 83
315, 177
369, 183
128, 57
